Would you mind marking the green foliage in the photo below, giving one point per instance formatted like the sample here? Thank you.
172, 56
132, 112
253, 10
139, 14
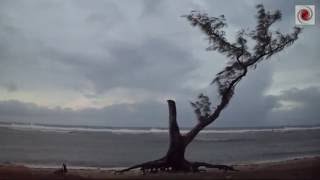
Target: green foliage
202, 106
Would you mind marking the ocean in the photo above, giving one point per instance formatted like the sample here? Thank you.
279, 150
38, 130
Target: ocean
50, 146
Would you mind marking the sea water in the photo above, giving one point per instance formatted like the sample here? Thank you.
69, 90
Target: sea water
44, 145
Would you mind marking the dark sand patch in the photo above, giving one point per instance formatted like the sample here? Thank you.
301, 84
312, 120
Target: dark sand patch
305, 168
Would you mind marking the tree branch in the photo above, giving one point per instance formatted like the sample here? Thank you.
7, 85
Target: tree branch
223, 103
212, 26
228, 78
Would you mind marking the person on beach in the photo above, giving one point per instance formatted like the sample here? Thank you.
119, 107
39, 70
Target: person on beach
62, 171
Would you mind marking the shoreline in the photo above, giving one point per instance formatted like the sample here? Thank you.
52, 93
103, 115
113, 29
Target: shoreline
146, 130
297, 168
75, 167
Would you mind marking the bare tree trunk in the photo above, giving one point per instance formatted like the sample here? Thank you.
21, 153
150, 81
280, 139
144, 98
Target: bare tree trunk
175, 155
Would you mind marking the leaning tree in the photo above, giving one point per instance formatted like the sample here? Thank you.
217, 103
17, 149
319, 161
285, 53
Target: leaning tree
242, 58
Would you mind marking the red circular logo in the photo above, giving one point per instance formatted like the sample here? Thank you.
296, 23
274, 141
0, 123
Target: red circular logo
304, 14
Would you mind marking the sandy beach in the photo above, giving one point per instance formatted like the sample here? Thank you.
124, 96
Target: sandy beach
302, 168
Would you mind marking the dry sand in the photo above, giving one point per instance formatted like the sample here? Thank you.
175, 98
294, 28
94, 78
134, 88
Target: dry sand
304, 168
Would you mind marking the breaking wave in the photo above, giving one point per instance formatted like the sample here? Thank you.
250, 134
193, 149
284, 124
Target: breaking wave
69, 129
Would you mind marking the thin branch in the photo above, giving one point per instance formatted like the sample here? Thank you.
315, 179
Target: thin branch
212, 26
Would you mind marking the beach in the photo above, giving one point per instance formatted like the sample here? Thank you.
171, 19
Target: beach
302, 168
36, 151
50, 146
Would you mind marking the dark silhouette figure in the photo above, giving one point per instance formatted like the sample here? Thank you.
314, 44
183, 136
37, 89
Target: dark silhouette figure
62, 171
241, 60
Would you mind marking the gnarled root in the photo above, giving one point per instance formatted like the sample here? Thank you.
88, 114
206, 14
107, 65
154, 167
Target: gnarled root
161, 165
150, 166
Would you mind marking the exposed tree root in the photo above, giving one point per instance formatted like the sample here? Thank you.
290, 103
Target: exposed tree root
150, 166
161, 165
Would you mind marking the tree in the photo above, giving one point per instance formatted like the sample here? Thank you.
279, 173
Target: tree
241, 59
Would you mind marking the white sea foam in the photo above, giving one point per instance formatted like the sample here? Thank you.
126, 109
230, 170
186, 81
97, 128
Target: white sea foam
284, 129
69, 129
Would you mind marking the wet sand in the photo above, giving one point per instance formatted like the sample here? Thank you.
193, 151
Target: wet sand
303, 168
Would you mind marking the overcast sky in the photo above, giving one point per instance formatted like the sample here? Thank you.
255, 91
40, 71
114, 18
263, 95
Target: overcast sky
115, 63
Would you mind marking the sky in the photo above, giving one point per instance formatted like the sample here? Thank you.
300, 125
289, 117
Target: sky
115, 63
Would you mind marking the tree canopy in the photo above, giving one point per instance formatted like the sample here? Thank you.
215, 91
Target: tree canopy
266, 43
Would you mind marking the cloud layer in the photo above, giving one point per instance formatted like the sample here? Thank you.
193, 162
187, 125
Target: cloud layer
116, 63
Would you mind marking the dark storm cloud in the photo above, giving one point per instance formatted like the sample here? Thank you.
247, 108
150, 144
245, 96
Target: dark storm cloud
152, 7
10, 87
55, 61
155, 65
305, 110
94, 47
142, 114
255, 110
